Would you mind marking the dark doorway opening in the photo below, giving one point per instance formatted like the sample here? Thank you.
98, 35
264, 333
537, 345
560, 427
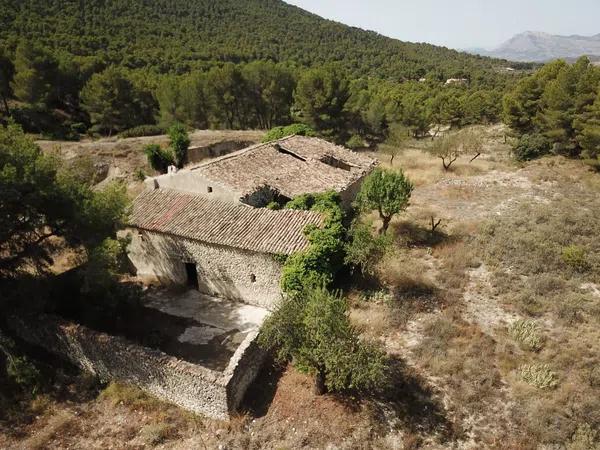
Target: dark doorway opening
192, 275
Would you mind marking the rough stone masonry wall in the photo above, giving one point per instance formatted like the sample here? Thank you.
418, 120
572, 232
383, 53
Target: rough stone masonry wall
190, 386
227, 272
189, 180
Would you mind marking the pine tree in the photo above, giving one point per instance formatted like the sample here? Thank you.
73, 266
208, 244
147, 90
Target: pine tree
320, 99
35, 76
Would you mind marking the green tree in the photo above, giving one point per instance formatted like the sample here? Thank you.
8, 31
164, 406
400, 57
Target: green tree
227, 92
589, 135
364, 250
295, 129
42, 200
446, 108
483, 106
522, 106
179, 142
113, 102
315, 332
270, 92
158, 158
415, 114
452, 145
7, 70
195, 106
320, 99
170, 101
385, 191
35, 76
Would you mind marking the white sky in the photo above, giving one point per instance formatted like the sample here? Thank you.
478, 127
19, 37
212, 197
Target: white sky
461, 23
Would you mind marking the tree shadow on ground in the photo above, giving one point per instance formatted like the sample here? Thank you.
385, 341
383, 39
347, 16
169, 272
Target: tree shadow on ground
414, 235
260, 393
414, 404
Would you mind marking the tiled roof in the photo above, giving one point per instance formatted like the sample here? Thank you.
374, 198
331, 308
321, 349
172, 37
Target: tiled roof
216, 222
294, 165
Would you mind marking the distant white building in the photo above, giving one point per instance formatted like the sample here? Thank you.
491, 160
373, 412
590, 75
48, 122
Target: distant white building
456, 81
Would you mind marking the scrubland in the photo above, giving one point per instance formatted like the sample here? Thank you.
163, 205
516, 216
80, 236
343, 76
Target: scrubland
492, 320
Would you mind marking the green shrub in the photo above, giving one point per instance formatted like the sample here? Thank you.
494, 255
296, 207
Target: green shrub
526, 333
78, 128
159, 158
538, 375
179, 141
355, 142
143, 130
295, 129
531, 147
365, 250
317, 265
574, 256
122, 394
274, 206
24, 373
155, 433
584, 438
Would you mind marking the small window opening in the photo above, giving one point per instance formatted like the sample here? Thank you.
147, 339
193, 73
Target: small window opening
284, 151
209, 189
252, 278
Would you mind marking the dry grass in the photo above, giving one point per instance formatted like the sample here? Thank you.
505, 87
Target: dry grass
552, 389
58, 425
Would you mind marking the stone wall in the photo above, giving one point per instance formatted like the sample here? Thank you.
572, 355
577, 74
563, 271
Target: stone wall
188, 180
227, 272
200, 153
349, 194
190, 386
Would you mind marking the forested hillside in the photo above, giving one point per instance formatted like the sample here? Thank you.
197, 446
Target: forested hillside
176, 36
102, 67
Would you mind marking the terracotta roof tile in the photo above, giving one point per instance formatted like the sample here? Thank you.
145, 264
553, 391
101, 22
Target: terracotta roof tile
216, 222
294, 165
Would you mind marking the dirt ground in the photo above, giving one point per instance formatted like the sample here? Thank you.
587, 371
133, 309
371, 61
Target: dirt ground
444, 310
124, 159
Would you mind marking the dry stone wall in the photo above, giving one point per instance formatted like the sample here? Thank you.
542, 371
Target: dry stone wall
190, 386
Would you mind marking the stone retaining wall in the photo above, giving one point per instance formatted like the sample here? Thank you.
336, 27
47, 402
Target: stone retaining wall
190, 386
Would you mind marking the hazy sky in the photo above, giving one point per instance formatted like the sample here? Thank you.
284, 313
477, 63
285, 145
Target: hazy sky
461, 23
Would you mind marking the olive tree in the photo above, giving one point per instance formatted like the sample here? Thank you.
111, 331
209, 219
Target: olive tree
387, 192
313, 329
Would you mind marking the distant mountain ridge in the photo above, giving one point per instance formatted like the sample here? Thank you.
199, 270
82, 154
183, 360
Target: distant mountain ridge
539, 47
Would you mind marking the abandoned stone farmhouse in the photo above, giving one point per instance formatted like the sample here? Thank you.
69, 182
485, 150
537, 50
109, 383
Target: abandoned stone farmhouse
206, 228
275, 171
219, 248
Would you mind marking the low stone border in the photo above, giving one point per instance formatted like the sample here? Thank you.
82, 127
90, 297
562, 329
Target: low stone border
190, 386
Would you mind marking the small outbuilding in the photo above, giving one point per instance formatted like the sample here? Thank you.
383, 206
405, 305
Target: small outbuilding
274, 171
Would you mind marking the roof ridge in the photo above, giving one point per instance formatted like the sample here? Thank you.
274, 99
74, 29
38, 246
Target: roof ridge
240, 152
